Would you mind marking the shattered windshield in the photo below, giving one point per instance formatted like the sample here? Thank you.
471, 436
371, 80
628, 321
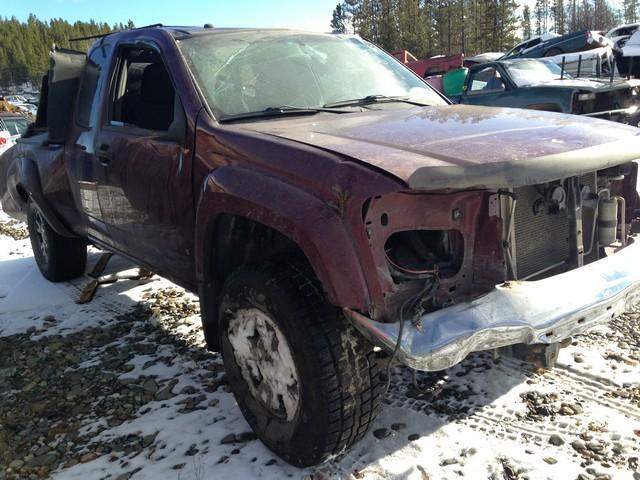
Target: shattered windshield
528, 72
243, 72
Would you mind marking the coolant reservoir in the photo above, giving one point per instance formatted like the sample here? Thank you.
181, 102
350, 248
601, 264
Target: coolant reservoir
607, 221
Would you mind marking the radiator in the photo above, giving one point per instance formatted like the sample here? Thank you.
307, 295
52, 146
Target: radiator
541, 240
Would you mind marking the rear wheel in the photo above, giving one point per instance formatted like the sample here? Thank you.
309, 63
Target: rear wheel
58, 258
307, 383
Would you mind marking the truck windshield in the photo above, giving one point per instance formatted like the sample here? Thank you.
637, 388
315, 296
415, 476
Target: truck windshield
241, 72
528, 72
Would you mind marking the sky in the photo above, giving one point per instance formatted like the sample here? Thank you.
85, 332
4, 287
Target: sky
308, 15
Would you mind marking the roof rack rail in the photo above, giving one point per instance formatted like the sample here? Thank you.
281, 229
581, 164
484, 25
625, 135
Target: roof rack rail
101, 35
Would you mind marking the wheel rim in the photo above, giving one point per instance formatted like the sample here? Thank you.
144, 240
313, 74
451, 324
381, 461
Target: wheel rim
41, 236
265, 361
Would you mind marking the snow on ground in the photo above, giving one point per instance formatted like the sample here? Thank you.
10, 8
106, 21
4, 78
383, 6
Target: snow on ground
123, 387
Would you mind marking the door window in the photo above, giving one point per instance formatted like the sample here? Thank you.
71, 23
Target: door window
144, 95
487, 80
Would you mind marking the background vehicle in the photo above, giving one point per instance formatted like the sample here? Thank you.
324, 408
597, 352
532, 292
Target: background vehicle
419, 236
551, 44
537, 84
13, 123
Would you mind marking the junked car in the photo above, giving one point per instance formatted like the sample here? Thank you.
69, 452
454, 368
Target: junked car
540, 84
583, 52
323, 200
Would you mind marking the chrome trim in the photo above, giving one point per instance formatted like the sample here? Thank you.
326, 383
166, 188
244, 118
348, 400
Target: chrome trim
543, 311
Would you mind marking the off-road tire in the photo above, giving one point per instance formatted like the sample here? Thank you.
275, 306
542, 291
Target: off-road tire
58, 258
338, 378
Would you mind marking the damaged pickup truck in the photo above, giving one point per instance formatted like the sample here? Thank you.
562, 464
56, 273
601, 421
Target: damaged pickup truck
323, 201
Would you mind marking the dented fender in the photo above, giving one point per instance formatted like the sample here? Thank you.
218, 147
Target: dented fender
315, 226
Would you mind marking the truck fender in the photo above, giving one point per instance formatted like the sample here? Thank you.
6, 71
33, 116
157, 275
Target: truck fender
29, 179
315, 227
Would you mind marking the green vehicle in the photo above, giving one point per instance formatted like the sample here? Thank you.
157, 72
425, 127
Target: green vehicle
540, 84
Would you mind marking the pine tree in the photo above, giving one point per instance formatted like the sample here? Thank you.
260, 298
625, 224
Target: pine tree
339, 20
25, 46
630, 11
526, 22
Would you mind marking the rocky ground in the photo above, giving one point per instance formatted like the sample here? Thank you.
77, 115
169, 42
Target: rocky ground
123, 387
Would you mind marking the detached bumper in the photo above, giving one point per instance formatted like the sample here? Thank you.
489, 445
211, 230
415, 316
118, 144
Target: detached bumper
543, 311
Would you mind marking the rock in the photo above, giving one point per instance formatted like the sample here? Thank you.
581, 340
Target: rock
413, 437
595, 447
556, 440
578, 358
87, 457
578, 445
577, 408
448, 461
165, 393
381, 433
16, 464
150, 386
42, 460
213, 402
188, 390
468, 452
228, 439
398, 426
246, 437
566, 410
193, 449
550, 460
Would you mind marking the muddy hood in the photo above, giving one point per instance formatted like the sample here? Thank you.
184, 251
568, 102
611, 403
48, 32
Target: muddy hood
463, 146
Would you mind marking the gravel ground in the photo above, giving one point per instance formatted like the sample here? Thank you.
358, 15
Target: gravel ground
123, 387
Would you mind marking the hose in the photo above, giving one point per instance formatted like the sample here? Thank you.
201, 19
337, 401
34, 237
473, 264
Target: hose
426, 293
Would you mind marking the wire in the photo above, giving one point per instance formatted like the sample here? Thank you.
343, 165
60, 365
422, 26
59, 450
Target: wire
426, 293
408, 270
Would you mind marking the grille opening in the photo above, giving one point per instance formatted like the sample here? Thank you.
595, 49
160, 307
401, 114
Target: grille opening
420, 253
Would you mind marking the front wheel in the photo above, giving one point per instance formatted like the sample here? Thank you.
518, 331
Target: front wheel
305, 380
58, 258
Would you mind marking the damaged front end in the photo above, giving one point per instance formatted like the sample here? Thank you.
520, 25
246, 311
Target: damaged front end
483, 269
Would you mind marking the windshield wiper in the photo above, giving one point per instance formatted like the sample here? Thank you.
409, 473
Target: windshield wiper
370, 99
282, 110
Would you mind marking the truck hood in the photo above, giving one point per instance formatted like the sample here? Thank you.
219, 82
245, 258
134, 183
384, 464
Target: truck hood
463, 146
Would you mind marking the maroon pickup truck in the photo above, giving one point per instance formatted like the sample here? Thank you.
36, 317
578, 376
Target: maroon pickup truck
329, 208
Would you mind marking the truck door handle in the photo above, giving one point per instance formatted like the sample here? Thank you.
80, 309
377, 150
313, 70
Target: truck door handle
104, 155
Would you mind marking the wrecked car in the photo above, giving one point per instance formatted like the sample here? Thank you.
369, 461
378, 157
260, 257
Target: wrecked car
328, 207
542, 85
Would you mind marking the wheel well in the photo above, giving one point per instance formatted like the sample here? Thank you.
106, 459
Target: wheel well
239, 240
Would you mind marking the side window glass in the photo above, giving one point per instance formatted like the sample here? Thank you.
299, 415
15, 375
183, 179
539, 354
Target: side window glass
487, 80
144, 95
92, 80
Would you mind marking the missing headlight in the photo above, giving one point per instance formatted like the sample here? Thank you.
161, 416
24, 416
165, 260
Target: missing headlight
417, 254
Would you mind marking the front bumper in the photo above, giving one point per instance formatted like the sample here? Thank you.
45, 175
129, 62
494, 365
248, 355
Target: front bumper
543, 311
